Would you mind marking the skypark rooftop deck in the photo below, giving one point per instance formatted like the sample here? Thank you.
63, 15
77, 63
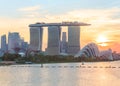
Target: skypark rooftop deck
59, 24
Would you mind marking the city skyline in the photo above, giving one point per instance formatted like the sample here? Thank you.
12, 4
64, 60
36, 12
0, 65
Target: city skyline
12, 44
103, 16
55, 37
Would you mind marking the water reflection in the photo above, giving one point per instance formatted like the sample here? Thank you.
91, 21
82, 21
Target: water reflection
67, 75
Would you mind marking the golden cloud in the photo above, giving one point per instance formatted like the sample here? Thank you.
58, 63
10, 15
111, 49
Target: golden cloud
104, 21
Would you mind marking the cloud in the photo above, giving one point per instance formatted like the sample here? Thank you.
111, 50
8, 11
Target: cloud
104, 21
30, 12
89, 14
32, 8
97, 17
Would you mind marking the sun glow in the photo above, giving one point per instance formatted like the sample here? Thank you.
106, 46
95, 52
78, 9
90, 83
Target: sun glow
102, 40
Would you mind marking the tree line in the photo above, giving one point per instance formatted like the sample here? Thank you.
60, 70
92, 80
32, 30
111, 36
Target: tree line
40, 58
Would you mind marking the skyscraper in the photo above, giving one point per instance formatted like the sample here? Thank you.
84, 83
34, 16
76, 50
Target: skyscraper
64, 43
54, 33
3, 43
36, 34
13, 42
24, 45
73, 40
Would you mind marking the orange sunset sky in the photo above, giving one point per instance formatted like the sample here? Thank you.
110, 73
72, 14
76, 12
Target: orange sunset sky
104, 18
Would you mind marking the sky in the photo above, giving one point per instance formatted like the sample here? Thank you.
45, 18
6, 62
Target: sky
103, 15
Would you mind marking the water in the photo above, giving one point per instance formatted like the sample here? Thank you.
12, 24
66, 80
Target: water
63, 74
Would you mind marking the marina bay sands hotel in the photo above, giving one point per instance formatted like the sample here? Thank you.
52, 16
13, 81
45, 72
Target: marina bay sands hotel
54, 37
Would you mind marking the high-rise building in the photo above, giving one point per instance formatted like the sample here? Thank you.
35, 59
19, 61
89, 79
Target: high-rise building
64, 43
36, 34
24, 45
3, 43
54, 33
64, 37
73, 40
13, 42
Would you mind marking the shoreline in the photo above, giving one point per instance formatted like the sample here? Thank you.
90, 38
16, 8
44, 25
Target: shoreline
8, 64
